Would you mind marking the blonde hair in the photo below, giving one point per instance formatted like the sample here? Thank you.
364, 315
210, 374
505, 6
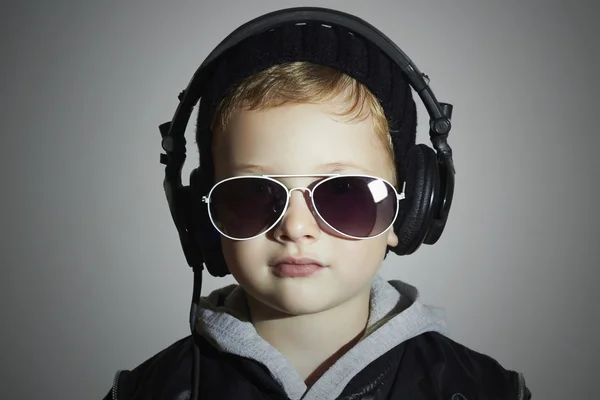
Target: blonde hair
302, 82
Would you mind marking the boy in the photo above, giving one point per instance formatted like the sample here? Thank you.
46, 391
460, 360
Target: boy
311, 318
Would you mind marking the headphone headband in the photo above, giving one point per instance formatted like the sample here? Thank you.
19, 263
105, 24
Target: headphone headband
439, 125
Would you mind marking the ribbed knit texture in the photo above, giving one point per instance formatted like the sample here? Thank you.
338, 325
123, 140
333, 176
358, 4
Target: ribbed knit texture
331, 46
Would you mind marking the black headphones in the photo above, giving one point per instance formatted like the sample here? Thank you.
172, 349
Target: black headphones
429, 178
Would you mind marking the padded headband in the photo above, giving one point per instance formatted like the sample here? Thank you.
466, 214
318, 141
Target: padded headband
173, 132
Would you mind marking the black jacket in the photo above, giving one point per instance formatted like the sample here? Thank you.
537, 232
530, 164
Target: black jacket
427, 367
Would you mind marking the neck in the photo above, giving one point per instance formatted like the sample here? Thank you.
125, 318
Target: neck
313, 342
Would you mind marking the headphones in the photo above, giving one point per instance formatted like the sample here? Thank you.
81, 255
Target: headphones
429, 176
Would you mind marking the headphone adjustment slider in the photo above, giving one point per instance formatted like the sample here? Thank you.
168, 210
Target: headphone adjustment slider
173, 145
168, 144
441, 126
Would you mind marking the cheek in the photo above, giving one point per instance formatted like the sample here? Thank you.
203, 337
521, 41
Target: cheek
363, 254
244, 257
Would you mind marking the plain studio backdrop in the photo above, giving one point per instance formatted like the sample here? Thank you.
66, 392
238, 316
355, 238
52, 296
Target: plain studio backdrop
93, 276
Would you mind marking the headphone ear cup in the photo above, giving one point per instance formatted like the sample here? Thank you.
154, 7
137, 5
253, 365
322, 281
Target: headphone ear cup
206, 238
179, 199
414, 215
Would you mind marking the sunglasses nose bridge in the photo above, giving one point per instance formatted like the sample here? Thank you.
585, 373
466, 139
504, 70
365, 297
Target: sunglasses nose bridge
302, 189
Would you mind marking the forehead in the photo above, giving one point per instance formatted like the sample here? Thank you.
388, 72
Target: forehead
298, 139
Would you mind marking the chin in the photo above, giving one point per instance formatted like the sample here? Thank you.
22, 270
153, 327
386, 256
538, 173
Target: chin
296, 296
299, 306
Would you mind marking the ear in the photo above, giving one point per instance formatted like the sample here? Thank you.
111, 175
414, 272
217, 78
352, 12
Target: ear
392, 238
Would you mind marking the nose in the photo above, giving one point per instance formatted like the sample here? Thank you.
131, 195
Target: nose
298, 224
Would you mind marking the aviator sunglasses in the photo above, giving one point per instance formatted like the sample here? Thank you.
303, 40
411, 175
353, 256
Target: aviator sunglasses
355, 206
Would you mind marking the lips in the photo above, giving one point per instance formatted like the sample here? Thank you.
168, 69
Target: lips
296, 267
296, 261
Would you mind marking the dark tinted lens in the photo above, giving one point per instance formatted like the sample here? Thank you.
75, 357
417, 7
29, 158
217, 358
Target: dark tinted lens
357, 206
246, 207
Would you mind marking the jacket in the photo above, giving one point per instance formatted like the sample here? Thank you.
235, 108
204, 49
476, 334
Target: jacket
404, 353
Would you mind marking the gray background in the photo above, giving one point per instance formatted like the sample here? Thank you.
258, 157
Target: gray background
93, 277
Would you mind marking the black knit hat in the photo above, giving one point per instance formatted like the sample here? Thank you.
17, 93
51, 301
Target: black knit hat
319, 44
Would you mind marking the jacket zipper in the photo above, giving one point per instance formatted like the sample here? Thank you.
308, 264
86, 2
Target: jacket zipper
521, 393
115, 386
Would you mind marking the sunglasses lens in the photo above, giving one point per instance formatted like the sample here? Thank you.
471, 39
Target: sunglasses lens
357, 206
247, 206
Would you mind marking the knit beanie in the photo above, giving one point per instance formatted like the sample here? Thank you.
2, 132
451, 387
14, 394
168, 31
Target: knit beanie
321, 44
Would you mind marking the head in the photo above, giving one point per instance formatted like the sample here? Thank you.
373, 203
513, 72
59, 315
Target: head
303, 118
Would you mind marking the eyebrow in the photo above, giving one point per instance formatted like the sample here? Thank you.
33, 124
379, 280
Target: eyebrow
340, 166
329, 167
249, 168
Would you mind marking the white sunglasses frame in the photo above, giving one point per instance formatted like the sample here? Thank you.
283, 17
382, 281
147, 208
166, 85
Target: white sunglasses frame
328, 177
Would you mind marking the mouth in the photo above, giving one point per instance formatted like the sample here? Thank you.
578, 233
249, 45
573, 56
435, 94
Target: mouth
296, 267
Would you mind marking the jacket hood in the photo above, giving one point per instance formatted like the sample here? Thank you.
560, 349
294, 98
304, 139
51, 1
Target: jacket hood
395, 316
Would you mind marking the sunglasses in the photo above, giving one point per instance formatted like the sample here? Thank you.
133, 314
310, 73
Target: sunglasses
355, 206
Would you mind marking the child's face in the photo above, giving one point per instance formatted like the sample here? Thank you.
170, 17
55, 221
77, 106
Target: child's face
299, 139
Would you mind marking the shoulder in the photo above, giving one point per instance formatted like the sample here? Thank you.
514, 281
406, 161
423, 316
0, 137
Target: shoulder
169, 375
168, 369
453, 368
